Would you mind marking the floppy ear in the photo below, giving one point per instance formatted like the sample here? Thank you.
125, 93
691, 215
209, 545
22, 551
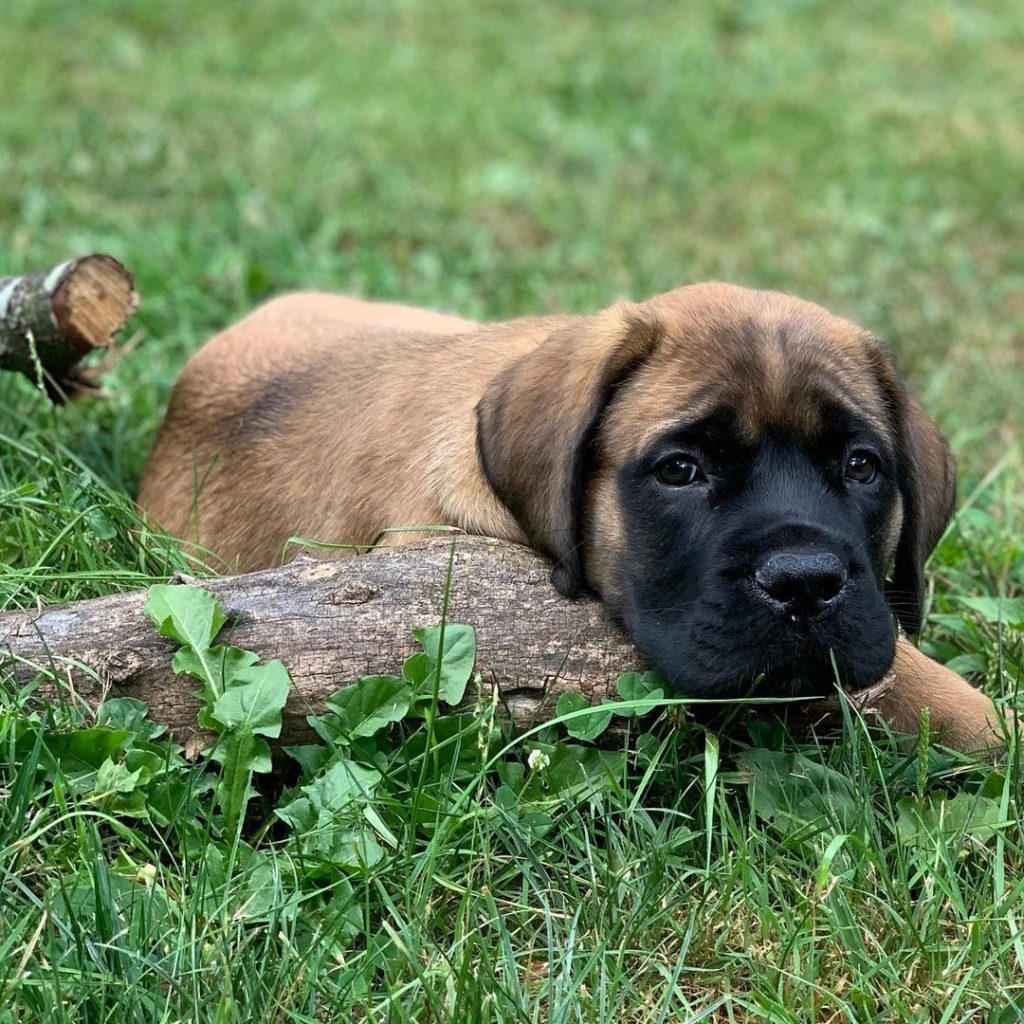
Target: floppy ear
928, 488
536, 421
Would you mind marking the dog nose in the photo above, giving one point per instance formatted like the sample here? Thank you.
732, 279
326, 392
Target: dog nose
803, 582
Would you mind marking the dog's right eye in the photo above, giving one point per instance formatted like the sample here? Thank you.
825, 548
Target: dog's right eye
678, 471
862, 466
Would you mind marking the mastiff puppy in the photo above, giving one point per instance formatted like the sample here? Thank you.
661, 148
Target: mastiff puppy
740, 475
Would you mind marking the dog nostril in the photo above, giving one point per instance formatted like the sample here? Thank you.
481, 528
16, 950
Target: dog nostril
802, 582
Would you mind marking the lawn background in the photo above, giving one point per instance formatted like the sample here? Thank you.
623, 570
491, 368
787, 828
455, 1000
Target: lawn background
498, 159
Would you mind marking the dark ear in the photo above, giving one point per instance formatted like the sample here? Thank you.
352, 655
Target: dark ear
928, 489
536, 421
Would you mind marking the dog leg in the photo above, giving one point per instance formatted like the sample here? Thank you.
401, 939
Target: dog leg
960, 715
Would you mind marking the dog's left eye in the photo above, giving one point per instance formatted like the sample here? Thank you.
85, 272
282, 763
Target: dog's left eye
678, 471
862, 466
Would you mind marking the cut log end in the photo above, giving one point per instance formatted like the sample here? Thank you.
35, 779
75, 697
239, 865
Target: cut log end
93, 300
50, 320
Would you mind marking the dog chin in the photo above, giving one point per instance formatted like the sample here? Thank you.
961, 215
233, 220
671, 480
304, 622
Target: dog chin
808, 676
814, 680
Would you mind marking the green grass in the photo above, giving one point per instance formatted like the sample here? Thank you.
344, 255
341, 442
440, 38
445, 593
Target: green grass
499, 159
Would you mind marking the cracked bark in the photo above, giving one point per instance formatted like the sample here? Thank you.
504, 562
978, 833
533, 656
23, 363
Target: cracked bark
333, 621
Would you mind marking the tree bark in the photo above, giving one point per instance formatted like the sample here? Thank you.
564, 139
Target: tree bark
52, 319
333, 621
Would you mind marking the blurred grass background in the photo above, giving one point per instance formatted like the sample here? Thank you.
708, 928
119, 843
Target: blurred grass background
500, 159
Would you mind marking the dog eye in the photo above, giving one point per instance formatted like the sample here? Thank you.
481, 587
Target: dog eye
862, 467
678, 471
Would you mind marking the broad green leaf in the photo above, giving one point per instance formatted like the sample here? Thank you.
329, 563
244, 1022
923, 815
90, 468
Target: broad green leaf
250, 707
647, 687
330, 728
181, 798
216, 668
129, 908
253, 699
84, 750
185, 614
512, 774
537, 823
570, 702
239, 753
344, 912
456, 658
648, 746
342, 785
114, 778
338, 791
352, 848
371, 703
1007, 610
328, 818
505, 798
116, 789
223, 661
191, 617
379, 826
267, 891
585, 727
453, 744
965, 815
100, 525
792, 791
416, 669
356, 848
130, 714
311, 757
300, 814
151, 758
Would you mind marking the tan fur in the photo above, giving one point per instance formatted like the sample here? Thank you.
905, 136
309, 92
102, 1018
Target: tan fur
961, 716
334, 419
329, 418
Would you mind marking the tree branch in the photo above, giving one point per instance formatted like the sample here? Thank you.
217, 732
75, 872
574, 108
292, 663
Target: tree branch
53, 318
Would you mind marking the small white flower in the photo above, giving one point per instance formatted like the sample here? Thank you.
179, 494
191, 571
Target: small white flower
538, 760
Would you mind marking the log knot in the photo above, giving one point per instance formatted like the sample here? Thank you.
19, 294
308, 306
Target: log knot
357, 592
116, 668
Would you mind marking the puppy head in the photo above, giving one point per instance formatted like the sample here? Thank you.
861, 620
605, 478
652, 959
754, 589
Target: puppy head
734, 472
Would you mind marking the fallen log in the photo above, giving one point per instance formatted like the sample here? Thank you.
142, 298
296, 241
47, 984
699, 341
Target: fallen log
332, 621
52, 319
